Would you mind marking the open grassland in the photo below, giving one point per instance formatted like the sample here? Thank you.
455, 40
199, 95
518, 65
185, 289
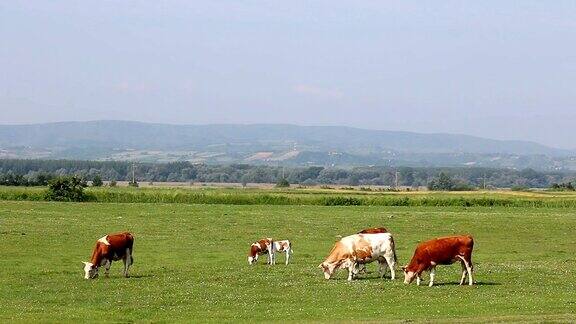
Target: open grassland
190, 264
314, 197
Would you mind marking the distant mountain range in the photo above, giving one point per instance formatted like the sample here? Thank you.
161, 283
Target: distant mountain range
267, 143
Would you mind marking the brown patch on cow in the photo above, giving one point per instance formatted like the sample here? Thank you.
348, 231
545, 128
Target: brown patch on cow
260, 247
363, 251
373, 230
339, 252
284, 246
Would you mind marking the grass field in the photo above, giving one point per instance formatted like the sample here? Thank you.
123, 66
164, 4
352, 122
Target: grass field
190, 264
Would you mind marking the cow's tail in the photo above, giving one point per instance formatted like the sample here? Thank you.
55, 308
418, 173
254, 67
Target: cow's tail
130, 246
393, 245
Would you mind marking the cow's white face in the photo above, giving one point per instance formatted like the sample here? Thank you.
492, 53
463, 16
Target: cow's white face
328, 269
408, 275
90, 271
252, 259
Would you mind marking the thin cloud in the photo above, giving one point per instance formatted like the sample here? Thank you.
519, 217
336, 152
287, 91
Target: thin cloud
316, 91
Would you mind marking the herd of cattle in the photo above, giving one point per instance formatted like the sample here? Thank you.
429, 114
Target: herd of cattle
352, 252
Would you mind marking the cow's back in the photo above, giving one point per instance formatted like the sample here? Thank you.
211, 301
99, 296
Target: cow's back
373, 230
119, 244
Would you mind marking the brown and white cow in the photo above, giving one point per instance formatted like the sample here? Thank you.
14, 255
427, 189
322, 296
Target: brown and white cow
283, 246
357, 249
269, 247
263, 246
444, 250
111, 247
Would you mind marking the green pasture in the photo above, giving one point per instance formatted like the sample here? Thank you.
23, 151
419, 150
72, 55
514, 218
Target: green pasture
190, 264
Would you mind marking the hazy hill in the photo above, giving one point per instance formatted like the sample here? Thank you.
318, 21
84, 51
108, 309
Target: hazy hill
241, 143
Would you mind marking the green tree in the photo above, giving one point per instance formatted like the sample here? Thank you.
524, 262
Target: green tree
443, 182
282, 183
97, 181
66, 188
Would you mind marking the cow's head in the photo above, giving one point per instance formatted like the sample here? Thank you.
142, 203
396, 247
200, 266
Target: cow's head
253, 255
330, 267
90, 271
408, 275
327, 268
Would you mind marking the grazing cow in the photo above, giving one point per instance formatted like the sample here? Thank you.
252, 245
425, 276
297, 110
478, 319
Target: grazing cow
373, 230
269, 247
283, 246
444, 250
360, 249
112, 247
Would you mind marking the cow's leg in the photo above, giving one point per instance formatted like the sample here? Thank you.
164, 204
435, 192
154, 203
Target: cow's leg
351, 270
272, 254
468, 269
127, 262
391, 264
432, 276
418, 279
463, 273
287, 256
107, 266
381, 268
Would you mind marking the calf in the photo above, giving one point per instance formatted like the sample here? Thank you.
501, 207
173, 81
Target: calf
112, 247
269, 247
360, 249
282, 246
444, 250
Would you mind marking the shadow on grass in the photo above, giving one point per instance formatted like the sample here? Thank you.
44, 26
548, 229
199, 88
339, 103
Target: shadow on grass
424, 283
481, 283
141, 276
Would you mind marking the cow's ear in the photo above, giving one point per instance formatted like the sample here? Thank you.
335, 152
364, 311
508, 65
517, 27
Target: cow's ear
84, 262
404, 268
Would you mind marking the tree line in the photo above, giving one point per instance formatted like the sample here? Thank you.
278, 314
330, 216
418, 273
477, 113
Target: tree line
40, 172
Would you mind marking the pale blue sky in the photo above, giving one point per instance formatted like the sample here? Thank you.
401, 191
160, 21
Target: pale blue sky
499, 69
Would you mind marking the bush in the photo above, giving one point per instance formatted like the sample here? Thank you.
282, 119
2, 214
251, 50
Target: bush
445, 183
112, 183
97, 181
519, 188
133, 184
565, 186
68, 188
282, 183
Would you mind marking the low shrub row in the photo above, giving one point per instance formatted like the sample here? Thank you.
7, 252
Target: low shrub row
241, 197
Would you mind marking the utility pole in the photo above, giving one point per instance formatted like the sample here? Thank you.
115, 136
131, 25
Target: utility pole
133, 177
396, 180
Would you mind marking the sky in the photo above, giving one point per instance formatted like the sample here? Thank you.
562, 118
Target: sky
499, 69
